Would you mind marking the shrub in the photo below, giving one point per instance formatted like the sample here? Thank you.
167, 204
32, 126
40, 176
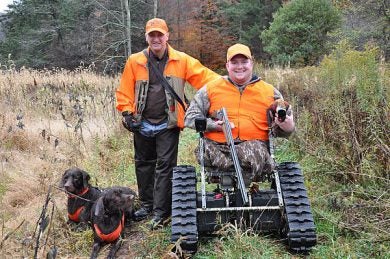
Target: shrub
348, 112
298, 34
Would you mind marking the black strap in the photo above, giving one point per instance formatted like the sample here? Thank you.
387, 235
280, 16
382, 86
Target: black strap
164, 81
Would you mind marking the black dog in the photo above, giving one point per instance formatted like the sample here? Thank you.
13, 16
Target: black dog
108, 217
81, 195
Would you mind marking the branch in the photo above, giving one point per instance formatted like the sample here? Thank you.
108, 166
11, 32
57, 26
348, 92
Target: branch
10, 233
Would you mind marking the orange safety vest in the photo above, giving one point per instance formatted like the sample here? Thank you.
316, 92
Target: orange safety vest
248, 111
76, 215
111, 237
180, 68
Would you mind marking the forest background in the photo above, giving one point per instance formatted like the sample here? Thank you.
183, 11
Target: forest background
102, 33
60, 65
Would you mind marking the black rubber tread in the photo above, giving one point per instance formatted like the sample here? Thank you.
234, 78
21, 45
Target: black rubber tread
299, 228
184, 208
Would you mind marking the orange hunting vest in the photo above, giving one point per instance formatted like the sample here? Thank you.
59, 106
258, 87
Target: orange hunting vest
248, 111
76, 215
111, 237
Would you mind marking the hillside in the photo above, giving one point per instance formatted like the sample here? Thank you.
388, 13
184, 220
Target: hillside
52, 120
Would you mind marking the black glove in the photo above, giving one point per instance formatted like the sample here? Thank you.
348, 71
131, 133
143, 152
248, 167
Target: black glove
129, 122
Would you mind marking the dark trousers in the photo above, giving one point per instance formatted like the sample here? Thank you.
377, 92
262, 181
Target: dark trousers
155, 158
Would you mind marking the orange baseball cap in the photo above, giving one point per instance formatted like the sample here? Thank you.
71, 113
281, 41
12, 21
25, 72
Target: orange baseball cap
238, 49
156, 24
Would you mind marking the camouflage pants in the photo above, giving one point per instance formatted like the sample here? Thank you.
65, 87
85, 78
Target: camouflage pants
253, 155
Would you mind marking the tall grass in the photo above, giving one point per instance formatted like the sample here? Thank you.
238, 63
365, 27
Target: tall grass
54, 119
355, 113
342, 141
342, 112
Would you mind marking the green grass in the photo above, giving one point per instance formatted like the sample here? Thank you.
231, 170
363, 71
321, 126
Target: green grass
240, 245
345, 226
112, 161
339, 234
3, 187
187, 144
341, 144
154, 244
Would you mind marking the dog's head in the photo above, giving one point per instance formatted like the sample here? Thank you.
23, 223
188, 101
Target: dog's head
75, 180
115, 198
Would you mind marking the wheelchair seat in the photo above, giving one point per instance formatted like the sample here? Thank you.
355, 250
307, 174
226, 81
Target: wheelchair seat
226, 178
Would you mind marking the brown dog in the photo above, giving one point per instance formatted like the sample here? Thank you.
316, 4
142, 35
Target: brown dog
81, 195
108, 217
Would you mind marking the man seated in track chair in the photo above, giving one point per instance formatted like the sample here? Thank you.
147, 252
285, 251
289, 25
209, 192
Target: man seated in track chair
247, 100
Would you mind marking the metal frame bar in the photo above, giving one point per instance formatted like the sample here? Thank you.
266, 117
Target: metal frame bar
202, 173
278, 189
239, 209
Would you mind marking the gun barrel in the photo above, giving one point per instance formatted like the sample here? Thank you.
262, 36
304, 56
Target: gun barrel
229, 139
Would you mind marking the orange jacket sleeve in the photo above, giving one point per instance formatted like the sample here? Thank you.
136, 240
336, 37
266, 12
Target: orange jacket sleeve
197, 74
125, 92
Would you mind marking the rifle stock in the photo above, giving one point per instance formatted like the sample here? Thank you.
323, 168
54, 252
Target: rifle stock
227, 130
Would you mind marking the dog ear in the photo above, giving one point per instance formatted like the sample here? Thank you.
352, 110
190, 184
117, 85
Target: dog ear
86, 178
99, 209
62, 182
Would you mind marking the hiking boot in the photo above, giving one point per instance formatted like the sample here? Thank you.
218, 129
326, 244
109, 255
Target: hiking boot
142, 213
158, 222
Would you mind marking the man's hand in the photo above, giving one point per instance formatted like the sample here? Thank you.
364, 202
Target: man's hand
129, 122
219, 125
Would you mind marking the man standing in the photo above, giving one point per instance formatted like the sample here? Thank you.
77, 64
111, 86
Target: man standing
151, 99
247, 99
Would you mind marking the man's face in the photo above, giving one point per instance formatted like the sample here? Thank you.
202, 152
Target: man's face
157, 41
240, 69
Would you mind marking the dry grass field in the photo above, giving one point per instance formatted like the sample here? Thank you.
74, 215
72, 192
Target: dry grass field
50, 120
53, 120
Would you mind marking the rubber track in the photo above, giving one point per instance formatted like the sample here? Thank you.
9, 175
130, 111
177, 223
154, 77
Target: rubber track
184, 208
301, 234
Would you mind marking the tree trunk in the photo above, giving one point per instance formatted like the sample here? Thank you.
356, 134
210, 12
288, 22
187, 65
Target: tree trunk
178, 24
128, 26
155, 5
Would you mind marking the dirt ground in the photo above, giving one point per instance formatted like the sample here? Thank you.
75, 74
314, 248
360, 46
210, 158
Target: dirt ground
133, 236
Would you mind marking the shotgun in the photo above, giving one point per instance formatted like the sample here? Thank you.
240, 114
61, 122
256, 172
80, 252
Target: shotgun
227, 130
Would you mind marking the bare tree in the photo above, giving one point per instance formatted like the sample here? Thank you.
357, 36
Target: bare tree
127, 25
121, 30
179, 39
155, 5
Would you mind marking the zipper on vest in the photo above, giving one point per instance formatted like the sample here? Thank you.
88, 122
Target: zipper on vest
239, 114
